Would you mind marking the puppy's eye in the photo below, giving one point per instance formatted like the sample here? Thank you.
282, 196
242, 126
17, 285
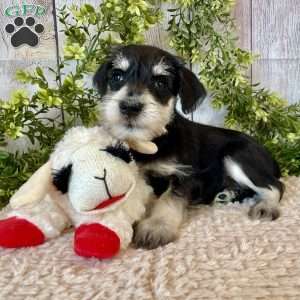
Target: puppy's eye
119, 151
117, 75
160, 82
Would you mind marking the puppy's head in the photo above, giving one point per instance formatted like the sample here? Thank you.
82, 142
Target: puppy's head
139, 86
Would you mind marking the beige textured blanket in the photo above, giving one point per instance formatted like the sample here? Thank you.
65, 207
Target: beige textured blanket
220, 254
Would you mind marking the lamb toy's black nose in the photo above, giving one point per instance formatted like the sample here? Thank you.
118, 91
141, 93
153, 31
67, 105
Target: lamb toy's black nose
130, 109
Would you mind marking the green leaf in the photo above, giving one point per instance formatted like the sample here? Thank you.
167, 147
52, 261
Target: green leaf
4, 155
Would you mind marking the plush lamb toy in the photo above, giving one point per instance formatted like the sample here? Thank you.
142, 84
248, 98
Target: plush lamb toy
90, 182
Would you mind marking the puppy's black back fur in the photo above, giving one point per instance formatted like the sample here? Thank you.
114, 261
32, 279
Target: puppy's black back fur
204, 148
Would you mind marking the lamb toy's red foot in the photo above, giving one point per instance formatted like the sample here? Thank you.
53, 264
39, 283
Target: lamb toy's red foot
16, 232
90, 240
96, 240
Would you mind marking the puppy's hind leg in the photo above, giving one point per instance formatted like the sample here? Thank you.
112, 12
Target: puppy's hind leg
267, 206
162, 226
268, 189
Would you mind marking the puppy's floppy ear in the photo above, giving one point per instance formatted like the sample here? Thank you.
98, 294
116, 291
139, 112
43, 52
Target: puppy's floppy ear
191, 91
61, 178
100, 77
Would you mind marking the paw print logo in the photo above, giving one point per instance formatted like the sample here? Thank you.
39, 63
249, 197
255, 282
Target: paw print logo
24, 34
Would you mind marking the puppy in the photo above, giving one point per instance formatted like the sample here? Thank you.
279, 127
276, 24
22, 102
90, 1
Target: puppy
140, 86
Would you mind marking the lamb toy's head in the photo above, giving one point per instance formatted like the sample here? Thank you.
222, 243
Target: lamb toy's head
96, 170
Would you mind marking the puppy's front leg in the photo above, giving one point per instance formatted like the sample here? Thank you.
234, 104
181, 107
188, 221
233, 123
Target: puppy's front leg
162, 226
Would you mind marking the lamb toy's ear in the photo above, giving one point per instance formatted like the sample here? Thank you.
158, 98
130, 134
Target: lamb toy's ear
61, 178
144, 147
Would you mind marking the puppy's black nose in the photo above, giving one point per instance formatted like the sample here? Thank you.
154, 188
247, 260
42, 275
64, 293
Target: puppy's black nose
130, 109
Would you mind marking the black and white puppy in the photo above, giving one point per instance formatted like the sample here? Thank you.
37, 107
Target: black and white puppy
139, 86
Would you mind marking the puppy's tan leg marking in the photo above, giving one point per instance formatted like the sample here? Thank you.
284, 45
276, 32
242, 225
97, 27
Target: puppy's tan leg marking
162, 226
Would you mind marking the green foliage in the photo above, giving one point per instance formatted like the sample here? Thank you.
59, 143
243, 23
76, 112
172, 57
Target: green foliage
62, 100
17, 168
202, 31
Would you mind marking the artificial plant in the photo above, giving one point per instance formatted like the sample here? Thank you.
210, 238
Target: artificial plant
202, 31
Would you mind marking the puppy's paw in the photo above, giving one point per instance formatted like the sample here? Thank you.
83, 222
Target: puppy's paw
152, 233
264, 211
225, 197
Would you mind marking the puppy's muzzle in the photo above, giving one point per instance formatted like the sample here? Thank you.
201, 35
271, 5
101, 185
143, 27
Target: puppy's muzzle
130, 109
